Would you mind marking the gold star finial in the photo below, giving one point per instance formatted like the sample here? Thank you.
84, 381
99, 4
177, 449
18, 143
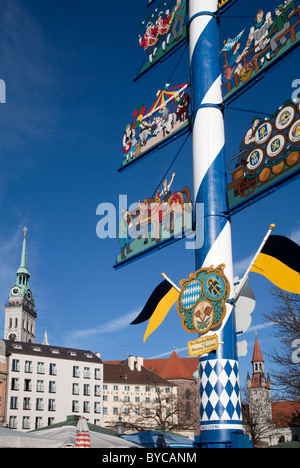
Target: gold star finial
25, 231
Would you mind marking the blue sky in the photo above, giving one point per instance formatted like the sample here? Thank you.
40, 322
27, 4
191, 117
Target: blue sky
69, 69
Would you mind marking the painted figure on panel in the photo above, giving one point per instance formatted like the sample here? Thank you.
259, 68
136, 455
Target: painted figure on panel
167, 117
272, 33
154, 220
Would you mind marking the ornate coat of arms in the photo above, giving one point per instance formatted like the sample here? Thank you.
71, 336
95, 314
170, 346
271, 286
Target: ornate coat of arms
202, 300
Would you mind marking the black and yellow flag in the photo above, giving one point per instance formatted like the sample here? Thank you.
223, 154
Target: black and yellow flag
157, 307
279, 261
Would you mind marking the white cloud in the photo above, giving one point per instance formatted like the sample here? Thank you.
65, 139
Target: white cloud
110, 327
262, 326
240, 267
295, 236
168, 353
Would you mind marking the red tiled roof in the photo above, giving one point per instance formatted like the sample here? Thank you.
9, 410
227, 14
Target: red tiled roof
121, 373
174, 367
257, 356
256, 381
286, 413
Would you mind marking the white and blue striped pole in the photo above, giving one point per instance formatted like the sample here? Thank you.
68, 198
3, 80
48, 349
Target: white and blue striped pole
220, 405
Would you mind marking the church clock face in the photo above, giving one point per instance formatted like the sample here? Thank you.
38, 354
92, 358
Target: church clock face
15, 291
13, 336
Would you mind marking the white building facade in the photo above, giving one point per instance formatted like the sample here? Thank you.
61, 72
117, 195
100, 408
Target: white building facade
45, 384
141, 398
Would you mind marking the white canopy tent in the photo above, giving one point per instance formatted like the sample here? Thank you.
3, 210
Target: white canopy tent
59, 437
10, 438
67, 437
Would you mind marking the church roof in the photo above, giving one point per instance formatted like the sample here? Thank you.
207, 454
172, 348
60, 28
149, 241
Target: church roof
257, 356
286, 413
173, 368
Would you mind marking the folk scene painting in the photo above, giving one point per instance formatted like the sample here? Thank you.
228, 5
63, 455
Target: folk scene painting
272, 34
154, 221
167, 118
161, 32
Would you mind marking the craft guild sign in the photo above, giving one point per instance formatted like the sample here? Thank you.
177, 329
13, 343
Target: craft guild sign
202, 305
269, 155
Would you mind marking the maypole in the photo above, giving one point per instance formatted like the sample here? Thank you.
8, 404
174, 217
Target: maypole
220, 405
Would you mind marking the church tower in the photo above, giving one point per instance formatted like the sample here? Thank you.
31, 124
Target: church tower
20, 314
259, 387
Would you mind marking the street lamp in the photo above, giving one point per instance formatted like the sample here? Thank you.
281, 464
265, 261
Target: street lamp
120, 427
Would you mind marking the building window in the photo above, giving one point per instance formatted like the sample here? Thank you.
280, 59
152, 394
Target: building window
86, 390
26, 422
52, 369
51, 405
75, 371
12, 424
40, 368
97, 390
105, 387
105, 398
27, 385
188, 410
86, 373
51, 421
137, 399
127, 388
39, 385
75, 406
15, 365
15, 384
38, 422
86, 406
137, 389
28, 367
116, 387
115, 411
26, 404
75, 389
116, 398
105, 410
14, 403
97, 374
39, 404
127, 398
147, 389
52, 387
97, 407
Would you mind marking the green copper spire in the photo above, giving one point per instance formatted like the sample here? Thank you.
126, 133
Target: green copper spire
21, 288
22, 270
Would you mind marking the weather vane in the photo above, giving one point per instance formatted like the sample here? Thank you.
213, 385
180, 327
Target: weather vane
25, 231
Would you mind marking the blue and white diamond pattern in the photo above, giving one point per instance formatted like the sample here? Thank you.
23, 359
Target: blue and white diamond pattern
219, 391
191, 294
